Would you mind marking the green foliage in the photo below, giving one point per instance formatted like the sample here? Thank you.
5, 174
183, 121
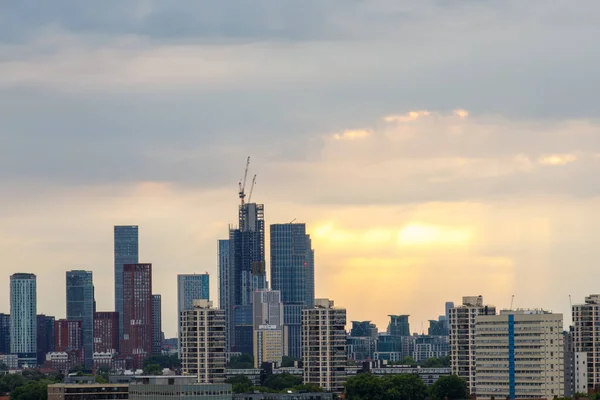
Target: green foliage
164, 361
240, 384
152, 369
392, 387
283, 381
244, 361
3, 367
33, 390
452, 387
287, 361
307, 387
408, 360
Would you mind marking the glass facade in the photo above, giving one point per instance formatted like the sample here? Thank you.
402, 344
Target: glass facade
4, 333
191, 287
292, 273
156, 324
45, 337
225, 294
126, 252
23, 318
80, 307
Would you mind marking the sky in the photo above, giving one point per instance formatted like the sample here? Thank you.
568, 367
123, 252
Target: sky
435, 149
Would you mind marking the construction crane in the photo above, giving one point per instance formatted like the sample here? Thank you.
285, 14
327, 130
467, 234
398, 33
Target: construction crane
242, 183
512, 299
251, 188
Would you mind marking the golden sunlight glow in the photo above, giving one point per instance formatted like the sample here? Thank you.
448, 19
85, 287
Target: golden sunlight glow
558, 159
410, 116
461, 113
352, 134
421, 234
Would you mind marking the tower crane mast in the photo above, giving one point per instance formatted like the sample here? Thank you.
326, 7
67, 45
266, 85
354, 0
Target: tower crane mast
242, 183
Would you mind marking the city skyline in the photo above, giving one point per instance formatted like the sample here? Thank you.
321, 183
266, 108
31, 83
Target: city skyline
433, 150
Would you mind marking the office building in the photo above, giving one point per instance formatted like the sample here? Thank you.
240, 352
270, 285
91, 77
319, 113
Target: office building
126, 247
156, 324
437, 328
363, 329
191, 287
361, 344
586, 336
267, 308
426, 347
267, 327
399, 325
106, 332
519, 355
448, 306
324, 345
292, 273
23, 318
137, 295
225, 289
203, 342
80, 307
246, 273
176, 387
4, 333
268, 345
462, 337
45, 337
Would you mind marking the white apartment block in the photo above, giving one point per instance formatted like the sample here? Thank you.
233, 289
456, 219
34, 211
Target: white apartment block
203, 342
580, 373
586, 337
462, 336
324, 345
519, 355
268, 345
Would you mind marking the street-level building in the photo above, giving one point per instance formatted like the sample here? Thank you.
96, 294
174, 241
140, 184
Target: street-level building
78, 391
175, 388
519, 355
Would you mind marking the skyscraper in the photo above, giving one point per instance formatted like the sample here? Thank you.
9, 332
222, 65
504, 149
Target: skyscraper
399, 325
126, 252
156, 324
203, 342
106, 332
268, 327
292, 273
190, 287
80, 307
4, 333
23, 319
45, 337
324, 345
137, 310
246, 274
586, 337
225, 289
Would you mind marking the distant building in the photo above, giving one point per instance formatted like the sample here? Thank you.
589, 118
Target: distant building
523, 348
10, 360
4, 333
69, 341
293, 274
399, 325
191, 287
267, 327
23, 319
462, 337
361, 348
80, 306
78, 391
586, 336
126, 247
176, 387
137, 294
363, 329
284, 396
156, 324
569, 368
426, 347
203, 342
437, 328
106, 332
45, 337
324, 345
428, 375
225, 290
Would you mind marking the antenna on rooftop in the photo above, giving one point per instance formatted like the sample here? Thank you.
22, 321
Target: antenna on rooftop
512, 301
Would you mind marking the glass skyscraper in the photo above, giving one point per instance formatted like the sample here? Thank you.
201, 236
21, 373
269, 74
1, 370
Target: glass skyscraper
190, 287
80, 307
156, 324
23, 318
225, 294
292, 273
126, 252
4, 333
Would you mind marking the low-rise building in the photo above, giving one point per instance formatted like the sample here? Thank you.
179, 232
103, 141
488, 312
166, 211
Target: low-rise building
96, 391
428, 375
176, 387
251, 373
284, 396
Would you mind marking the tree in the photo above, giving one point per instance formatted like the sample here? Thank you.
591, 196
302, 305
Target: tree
240, 384
283, 381
152, 369
451, 387
364, 387
3, 367
33, 390
307, 387
244, 361
164, 360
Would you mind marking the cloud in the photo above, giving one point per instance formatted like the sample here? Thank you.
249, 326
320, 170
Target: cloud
558, 159
352, 134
